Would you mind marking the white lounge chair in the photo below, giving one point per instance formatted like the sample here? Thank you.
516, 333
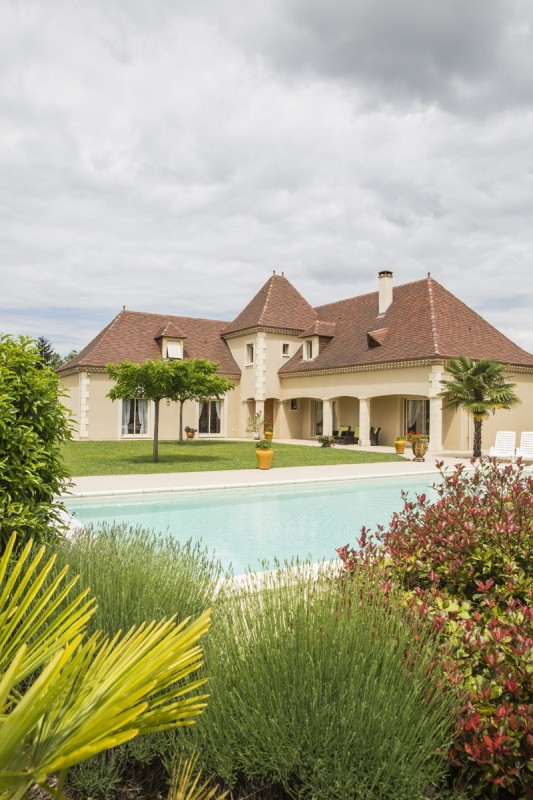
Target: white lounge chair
505, 444
526, 446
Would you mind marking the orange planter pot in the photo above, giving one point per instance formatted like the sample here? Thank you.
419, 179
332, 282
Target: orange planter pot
264, 458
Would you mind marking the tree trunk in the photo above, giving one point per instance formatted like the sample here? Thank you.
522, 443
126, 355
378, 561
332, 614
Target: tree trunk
181, 420
477, 438
155, 452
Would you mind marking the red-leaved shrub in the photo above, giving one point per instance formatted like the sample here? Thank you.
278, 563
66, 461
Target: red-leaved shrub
465, 561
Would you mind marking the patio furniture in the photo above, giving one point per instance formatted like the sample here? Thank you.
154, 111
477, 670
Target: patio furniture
374, 436
348, 438
526, 446
340, 435
504, 446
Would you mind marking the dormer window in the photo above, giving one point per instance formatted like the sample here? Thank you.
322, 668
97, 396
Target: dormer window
310, 350
174, 350
170, 340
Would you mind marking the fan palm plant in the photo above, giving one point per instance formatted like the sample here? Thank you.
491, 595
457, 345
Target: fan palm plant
480, 387
64, 697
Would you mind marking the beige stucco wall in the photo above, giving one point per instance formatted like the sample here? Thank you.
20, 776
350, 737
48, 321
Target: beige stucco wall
103, 417
406, 380
385, 389
518, 419
260, 380
275, 360
71, 401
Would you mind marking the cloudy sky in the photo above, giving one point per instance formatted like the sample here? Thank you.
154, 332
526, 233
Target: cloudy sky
169, 155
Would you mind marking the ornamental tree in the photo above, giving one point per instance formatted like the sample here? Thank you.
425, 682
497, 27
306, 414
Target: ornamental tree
480, 387
196, 379
193, 379
148, 381
33, 427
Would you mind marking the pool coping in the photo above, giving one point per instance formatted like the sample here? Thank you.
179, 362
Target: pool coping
158, 483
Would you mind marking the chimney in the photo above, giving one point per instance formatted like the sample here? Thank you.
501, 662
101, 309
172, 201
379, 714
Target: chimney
385, 290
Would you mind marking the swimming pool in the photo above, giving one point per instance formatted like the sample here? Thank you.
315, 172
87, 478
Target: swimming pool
247, 526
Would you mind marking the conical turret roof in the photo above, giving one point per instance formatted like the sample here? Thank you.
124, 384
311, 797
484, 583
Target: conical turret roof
276, 305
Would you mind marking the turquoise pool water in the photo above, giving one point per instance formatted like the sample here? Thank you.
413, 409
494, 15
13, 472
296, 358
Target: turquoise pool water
245, 527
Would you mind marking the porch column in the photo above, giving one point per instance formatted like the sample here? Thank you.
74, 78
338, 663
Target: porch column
435, 409
435, 425
364, 421
327, 417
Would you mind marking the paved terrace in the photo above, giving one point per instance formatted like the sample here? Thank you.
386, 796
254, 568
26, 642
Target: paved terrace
191, 481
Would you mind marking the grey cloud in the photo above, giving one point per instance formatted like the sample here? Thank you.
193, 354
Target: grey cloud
460, 55
169, 156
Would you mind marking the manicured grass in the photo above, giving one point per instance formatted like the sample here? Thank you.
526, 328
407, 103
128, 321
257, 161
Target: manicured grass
127, 458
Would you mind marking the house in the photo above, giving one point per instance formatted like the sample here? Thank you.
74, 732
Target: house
370, 361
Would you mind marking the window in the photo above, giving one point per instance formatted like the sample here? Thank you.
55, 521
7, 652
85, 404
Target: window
134, 417
285, 348
416, 416
294, 405
249, 354
319, 417
174, 350
308, 350
210, 416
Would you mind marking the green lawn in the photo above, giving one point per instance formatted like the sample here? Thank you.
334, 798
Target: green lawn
126, 458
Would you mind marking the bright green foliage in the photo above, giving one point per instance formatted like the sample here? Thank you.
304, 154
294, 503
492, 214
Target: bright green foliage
324, 698
33, 428
84, 695
192, 379
480, 387
196, 379
147, 381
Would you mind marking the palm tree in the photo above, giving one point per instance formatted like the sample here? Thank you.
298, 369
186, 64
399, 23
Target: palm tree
64, 696
480, 387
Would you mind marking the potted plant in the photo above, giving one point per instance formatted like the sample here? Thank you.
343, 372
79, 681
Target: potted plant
189, 432
264, 453
399, 444
269, 432
419, 442
255, 425
326, 440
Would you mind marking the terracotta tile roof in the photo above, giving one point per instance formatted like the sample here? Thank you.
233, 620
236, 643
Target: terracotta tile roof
423, 321
277, 305
377, 337
320, 328
171, 330
132, 335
